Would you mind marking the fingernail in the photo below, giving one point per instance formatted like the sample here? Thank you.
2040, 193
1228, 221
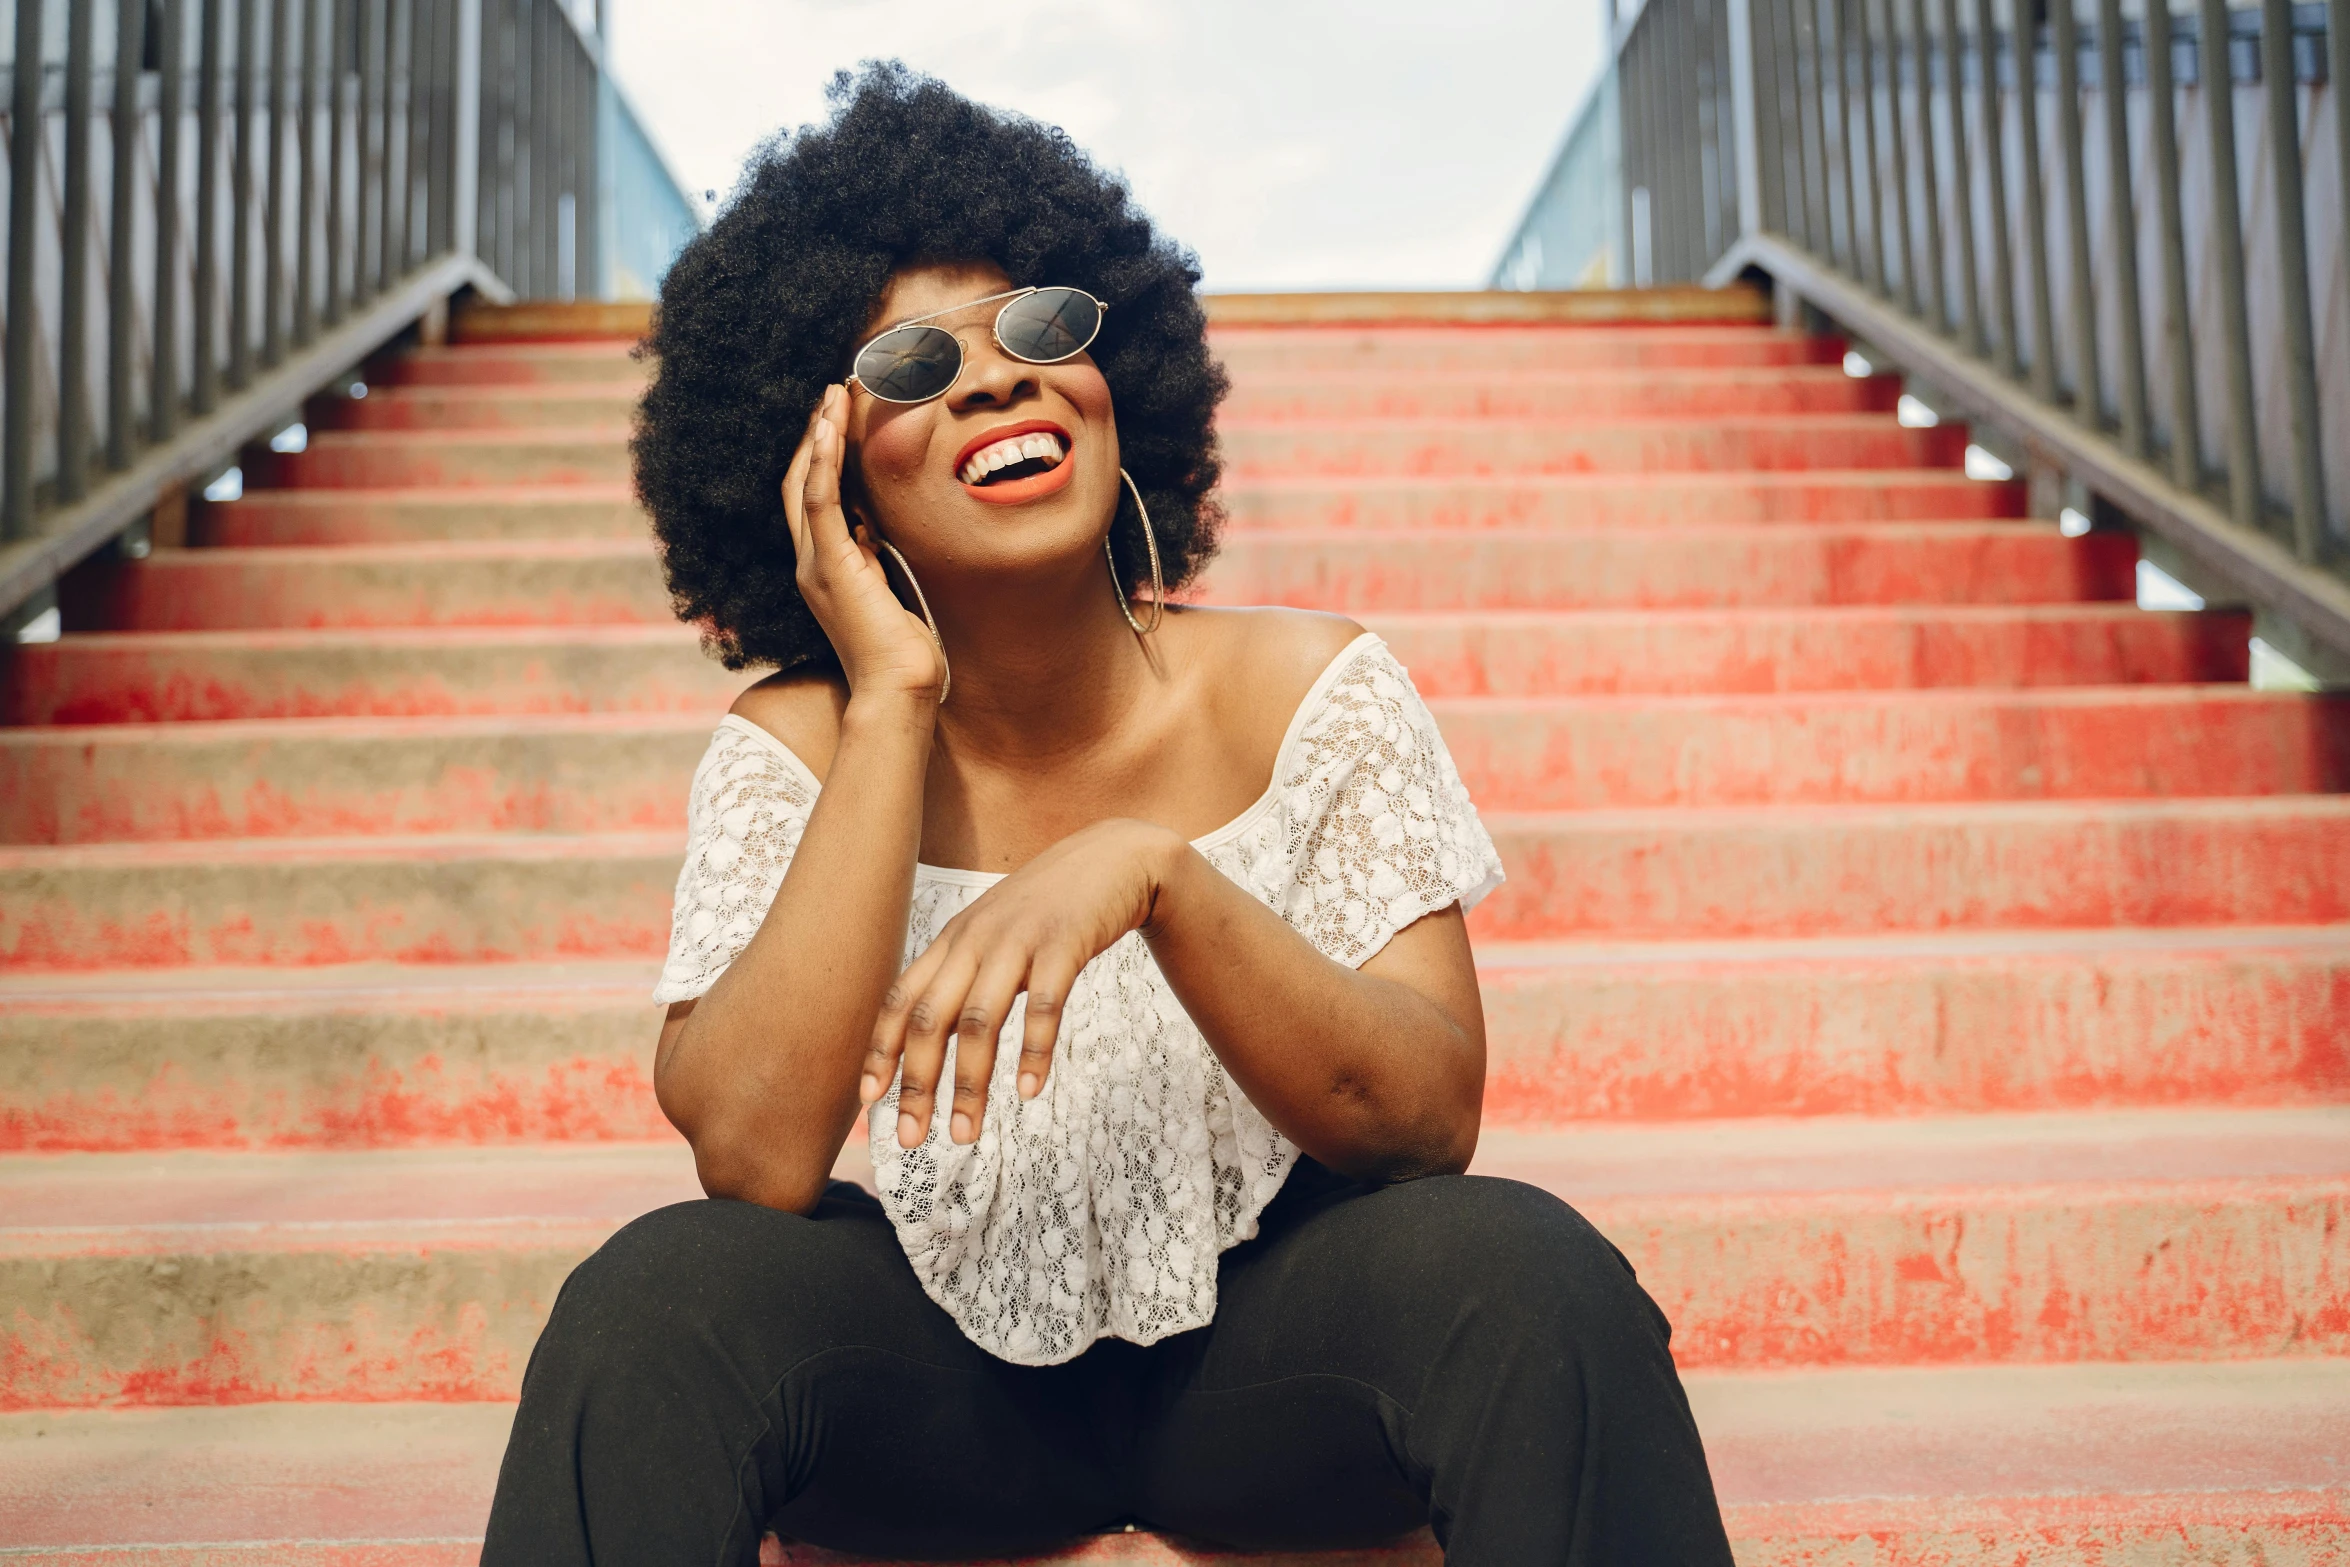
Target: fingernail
909, 1131
868, 1089
960, 1127
1029, 1085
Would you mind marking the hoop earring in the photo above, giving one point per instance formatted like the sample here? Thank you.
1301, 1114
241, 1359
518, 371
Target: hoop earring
947, 676
1158, 583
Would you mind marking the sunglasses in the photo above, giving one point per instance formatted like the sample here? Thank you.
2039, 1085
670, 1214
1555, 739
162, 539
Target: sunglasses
913, 362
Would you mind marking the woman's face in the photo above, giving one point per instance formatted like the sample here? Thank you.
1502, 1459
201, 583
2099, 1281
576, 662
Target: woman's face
934, 479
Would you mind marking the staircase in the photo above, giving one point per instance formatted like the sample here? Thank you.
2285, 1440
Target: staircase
1933, 971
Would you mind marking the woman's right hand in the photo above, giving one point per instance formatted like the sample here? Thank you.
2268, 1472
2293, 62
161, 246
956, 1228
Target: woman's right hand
882, 646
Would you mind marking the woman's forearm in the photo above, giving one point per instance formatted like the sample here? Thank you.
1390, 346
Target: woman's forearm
1377, 1072
761, 1073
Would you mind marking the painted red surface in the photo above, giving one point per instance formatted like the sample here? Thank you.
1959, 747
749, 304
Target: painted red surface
1829, 786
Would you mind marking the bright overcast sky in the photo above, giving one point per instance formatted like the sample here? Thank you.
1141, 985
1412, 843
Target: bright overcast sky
1292, 143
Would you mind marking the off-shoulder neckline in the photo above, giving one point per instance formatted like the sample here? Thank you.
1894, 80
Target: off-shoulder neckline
1214, 840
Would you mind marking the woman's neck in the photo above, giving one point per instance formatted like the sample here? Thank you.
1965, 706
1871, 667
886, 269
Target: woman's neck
1042, 671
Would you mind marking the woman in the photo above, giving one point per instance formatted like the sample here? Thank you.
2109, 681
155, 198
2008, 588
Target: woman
1137, 929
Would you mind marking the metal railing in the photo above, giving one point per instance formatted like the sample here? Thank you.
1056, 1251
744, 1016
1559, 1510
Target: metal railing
215, 207
2086, 227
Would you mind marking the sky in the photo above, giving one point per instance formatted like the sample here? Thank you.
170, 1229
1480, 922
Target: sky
1292, 143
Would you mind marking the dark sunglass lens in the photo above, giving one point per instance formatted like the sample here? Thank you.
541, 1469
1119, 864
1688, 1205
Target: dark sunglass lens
1048, 325
910, 365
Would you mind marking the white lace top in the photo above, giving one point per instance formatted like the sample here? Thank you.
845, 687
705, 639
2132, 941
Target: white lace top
1102, 1205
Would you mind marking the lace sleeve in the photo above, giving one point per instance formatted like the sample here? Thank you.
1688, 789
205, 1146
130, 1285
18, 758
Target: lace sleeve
749, 805
1381, 830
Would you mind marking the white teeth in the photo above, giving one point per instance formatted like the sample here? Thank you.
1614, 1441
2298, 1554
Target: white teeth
1039, 446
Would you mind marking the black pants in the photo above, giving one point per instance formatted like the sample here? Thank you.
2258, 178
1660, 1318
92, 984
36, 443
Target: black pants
1458, 1352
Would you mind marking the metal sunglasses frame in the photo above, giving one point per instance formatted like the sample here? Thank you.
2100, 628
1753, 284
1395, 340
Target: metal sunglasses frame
1010, 297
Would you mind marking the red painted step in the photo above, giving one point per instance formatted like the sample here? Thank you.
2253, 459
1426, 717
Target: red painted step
1590, 394
1716, 567
533, 364
1982, 1239
418, 515
604, 772
1477, 446
386, 1055
596, 454
1637, 500
1418, 349
2096, 1461
406, 671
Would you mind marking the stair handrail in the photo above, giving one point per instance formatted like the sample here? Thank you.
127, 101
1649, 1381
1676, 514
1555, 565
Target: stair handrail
306, 183
1873, 161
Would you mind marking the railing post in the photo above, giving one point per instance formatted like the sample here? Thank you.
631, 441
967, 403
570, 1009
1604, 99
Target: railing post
2281, 91
24, 172
465, 143
2217, 75
1745, 144
73, 305
130, 46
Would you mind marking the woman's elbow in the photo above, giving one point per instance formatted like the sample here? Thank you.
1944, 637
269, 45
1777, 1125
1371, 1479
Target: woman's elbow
735, 1158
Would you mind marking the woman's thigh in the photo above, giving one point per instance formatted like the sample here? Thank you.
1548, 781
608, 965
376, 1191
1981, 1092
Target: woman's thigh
719, 1369
1458, 1351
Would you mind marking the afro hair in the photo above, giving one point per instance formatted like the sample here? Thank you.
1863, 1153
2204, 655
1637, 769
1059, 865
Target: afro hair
761, 312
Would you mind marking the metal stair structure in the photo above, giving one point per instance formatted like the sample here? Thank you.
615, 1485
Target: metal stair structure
1931, 969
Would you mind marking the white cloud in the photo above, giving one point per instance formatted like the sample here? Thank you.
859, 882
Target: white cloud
1294, 144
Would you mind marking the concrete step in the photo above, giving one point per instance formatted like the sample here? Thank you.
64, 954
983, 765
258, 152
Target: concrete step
226, 1277
1662, 874
490, 582
2160, 1465
1853, 869
607, 772
568, 581
1248, 351
131, 677
515, 364
395, 516
382, 1055
1740, 565
1588, 394
1427, 447
416, 516
369, 459
389, 671
557, 406
1395, 504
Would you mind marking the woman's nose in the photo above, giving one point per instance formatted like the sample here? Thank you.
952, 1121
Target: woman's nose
991, 378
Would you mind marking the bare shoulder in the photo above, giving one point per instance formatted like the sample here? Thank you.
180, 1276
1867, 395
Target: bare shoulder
1260, 663
802, 708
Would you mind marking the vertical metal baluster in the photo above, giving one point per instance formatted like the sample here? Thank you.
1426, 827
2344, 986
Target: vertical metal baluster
542, 172
25, 130
2114, 82
416, 115
1844, 143
396, 194
1767, 130
273, 224
130, 47
2217, 74
1865, 46
1900, 139
1995, 174
240, 202
206, 353
171, 63
2035, 213
1962, 188
511, 89
73, 302
2338, 75
2281, 89
1819, 92
591, 178
1803, 216
1937, 298
306, 202
338, 152
2088, 393
367, 271
2186, 441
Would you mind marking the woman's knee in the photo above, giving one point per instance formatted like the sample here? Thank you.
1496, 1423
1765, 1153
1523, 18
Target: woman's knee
1528, 1261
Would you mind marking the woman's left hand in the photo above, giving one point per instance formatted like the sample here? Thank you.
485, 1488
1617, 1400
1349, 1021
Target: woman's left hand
1030, 932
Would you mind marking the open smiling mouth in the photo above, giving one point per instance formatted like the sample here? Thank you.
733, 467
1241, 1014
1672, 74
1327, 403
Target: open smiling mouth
1019, 463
